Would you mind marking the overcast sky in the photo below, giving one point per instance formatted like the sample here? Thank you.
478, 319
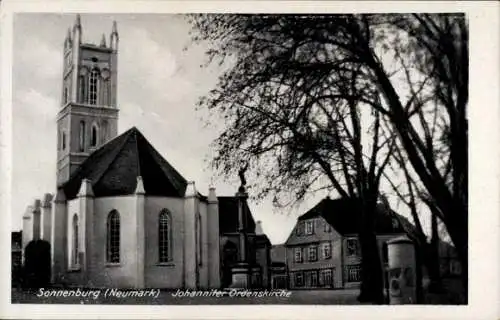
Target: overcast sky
158, 85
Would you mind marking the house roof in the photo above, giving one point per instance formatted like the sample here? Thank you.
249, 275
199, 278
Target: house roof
113, 169
228, 215
342, 215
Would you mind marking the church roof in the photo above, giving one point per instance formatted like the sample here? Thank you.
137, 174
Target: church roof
342, 215
113, 169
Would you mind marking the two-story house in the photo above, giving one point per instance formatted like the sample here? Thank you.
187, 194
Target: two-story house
323, 250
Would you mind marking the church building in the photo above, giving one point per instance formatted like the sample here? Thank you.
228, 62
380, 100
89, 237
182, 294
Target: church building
122, 216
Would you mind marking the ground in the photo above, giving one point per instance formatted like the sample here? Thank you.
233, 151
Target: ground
325, 297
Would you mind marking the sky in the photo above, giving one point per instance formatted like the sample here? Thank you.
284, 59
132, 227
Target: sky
159, 83
158, 86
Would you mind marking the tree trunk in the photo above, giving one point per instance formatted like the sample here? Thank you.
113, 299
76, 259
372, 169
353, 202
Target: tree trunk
372, 283
432, 252
431, 261
458, 231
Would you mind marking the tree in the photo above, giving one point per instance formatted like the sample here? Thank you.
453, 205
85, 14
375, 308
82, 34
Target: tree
293, 81
438, 53
306, 126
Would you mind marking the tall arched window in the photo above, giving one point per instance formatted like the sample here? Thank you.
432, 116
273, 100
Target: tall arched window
74, 257
164, 236
94, 135
113, 238
198, 238
93, 86
81, 143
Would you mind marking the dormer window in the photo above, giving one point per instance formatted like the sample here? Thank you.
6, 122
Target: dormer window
309, 227
328, 227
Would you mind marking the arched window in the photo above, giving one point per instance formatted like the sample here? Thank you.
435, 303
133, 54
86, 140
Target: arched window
113, 238
81, 144
93, 86
164, 236
74, 257
198, 238
93, 136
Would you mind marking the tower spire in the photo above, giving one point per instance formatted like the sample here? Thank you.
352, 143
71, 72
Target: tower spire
78, 23
113, 40
77, 30
103, 41
67, 40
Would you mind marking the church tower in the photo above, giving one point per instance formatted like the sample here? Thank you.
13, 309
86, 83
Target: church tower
88, 116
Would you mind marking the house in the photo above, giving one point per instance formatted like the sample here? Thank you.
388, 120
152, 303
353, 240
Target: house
279, 271
323, 249
121, 215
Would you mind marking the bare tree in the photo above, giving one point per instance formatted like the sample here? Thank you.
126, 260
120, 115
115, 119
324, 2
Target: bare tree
296, 90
